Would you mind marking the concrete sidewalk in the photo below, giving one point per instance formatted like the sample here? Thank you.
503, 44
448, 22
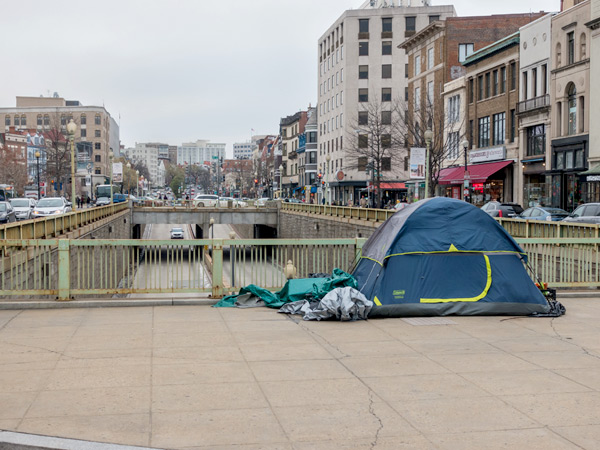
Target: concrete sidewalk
200, 377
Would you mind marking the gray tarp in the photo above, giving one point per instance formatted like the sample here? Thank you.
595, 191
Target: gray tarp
342, 303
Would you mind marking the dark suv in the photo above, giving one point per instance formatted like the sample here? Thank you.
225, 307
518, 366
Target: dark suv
497, 209
586, 213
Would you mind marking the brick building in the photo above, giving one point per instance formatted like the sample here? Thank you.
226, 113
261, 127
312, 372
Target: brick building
492, 95
435, 57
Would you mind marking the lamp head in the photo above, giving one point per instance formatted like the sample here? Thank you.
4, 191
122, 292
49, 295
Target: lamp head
428, 136
71, 128
465, 144
38, 154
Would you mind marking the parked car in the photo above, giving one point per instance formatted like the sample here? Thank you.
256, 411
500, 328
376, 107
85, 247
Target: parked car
51, 206
586, 213
7, 213
262, 201
236, 202
23, 207
176, 233
400, 206
498, 209
102, 201
544, 213
119, 198
207, 200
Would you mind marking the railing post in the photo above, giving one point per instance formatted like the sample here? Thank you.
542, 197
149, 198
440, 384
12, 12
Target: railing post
64, 270
217, 269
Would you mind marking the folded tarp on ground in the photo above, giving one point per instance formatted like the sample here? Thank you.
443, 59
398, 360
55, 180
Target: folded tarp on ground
342, 303
294, 290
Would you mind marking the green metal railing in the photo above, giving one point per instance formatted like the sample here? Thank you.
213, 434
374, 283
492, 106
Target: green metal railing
82, 268
54, 226
368, 214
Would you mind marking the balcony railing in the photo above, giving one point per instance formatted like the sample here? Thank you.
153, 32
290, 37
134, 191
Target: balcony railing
533, 104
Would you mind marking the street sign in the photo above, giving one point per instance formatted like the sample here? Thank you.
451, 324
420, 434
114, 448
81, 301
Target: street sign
466, 192
215, 157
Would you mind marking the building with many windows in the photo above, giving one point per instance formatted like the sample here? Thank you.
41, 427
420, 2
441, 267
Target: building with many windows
96, 129
360, 64
200, 152
291, 129
492, 81
533, 110
571, 153
149, 155
243, 150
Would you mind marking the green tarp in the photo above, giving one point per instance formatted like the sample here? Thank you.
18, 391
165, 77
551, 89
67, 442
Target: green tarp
293, 290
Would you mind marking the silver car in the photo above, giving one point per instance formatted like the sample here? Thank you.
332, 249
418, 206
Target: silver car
51, 206
23, 207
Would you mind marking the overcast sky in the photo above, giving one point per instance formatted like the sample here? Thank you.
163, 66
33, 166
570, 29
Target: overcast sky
181, 70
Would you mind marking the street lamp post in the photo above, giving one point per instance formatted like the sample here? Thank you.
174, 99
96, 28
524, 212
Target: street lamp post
328, 159
37, 157
428, 139
465, 146
128, 185
71, 128
110, 158
137, 180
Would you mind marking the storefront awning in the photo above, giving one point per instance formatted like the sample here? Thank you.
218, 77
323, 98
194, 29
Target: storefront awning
593, 171
392, 186
479, 172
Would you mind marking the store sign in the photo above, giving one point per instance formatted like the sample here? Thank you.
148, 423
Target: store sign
590, 178
489, 154
117, 173
417, 163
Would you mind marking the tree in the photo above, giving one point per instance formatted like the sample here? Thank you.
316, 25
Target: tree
177, 182
58, 150
376, 143
446, 137
198, 176
13, 170
141, 168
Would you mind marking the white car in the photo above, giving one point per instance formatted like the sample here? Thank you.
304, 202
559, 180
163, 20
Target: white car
207, 200
23, 207
262, 201
176, 233
51, 206
236, 202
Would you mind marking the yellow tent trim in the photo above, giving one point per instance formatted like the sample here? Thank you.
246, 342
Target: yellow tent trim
473, 299
377, 302
456, 251
452, 248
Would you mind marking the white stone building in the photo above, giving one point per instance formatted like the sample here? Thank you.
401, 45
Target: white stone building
149, 156
200, 152
359, 61
243, 150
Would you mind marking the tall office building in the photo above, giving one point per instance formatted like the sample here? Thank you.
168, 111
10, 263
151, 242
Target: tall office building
359, 62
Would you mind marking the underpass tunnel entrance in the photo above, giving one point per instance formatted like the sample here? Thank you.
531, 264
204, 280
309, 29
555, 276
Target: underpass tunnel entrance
264, 232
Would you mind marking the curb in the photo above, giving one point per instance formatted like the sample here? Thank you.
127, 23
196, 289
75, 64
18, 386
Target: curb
117, 303
22, 441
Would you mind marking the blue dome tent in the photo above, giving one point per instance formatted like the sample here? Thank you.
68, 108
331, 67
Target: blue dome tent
446, 257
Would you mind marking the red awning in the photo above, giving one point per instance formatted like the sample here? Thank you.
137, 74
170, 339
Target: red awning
479, 172
392, 186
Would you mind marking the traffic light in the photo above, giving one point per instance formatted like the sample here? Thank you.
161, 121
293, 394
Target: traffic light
255, 182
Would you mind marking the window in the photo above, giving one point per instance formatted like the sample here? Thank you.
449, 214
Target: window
386, 71
23, 120
513, 76
363, 141
484, 132
471, 90
386, 25
433, 19
97, 171
487, 85
499, 128
386, 163
39, 120
534, 83
363, 25
386, 94
495, 87
430, 59
98, 120
97, 133
572, 110
464, 51
417, 65
17, 121
83, 120
97, 146
363, 49
513, 125
417, 98
430, 93
386, 117
83, 132
480, 86
544, 80
406, 94
363, 95
46, 121
7, 121
386, 48
536, 140
363, 72
453, 150
503, 80
571, 47
363, 117
405, 70
386, 140
411, 23
362, 163
524, 85
454, 109
97, 158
